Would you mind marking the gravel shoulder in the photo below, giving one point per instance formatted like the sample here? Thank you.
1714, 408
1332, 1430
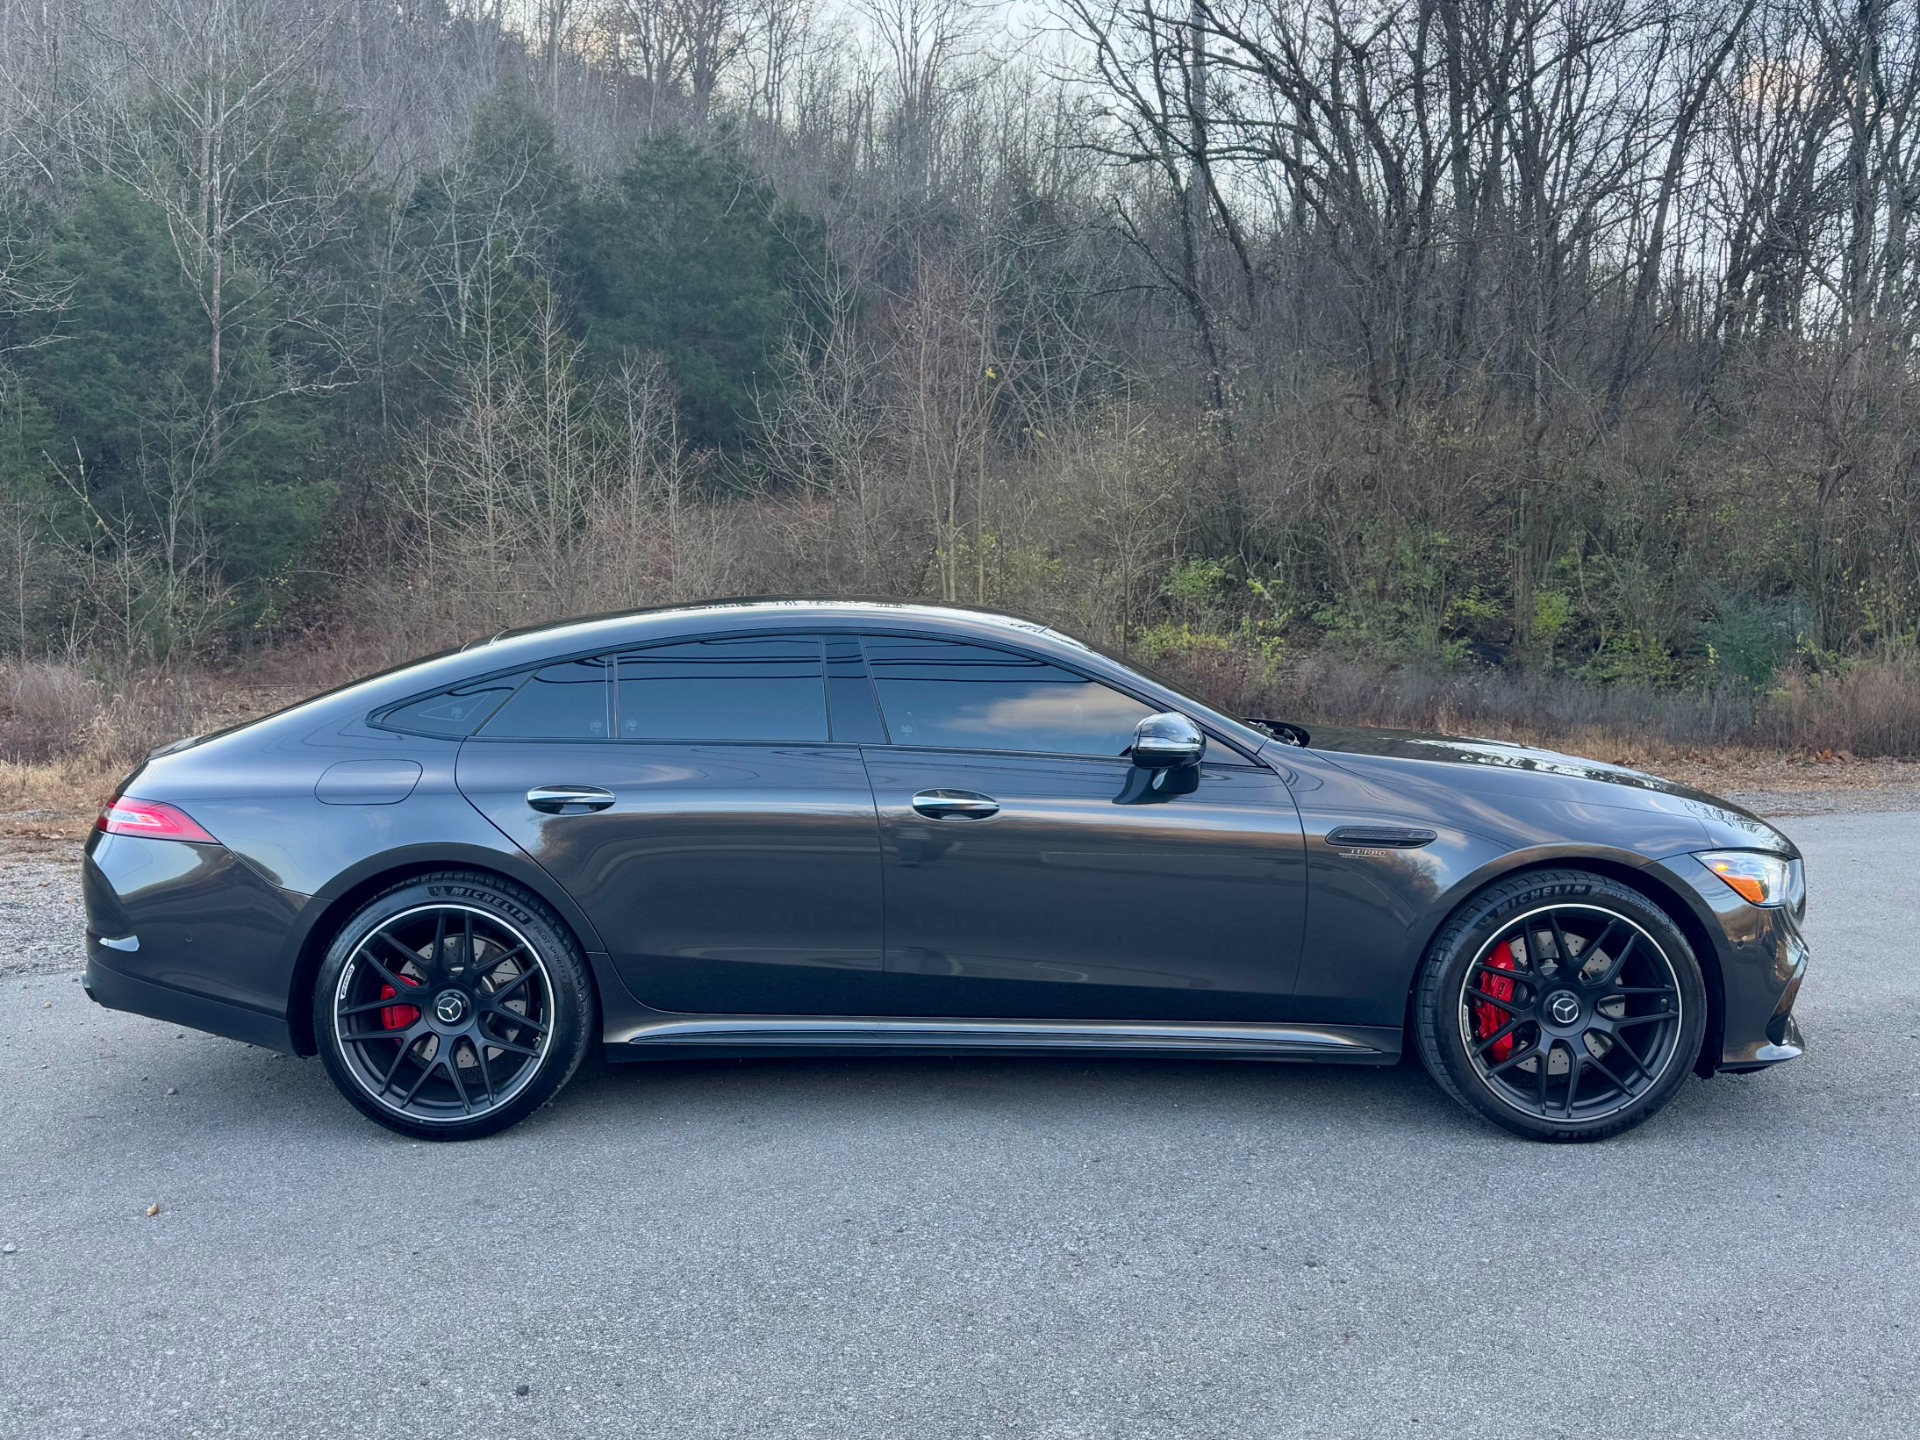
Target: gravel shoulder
1787, 804
40, 915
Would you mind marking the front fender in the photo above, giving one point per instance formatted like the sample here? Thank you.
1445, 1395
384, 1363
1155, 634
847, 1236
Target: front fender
1373, 912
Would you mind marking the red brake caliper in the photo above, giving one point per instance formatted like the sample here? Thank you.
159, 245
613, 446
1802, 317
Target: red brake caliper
1487, 1019
397, 1017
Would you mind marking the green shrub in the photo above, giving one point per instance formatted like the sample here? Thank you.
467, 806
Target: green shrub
1632, 658
1751, 642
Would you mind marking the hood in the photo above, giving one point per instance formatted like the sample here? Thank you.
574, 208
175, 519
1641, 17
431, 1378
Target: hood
1497, 766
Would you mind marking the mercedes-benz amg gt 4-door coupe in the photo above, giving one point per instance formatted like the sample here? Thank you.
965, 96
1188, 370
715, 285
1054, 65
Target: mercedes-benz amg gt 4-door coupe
775, 826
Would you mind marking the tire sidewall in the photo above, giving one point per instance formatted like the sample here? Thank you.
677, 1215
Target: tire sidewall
572, 997
1443, 1048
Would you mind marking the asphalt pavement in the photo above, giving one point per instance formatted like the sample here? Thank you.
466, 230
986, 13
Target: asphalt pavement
894, 1248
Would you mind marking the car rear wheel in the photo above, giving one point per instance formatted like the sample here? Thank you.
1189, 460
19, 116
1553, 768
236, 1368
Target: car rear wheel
452, 1006
1561, 1005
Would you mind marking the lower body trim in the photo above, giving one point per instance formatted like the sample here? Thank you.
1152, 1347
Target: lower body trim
1363, 1044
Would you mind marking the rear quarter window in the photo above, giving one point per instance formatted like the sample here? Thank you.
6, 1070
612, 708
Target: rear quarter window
449, 714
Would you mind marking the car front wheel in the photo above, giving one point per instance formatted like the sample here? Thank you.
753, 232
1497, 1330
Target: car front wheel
452, 1006
1561, 1005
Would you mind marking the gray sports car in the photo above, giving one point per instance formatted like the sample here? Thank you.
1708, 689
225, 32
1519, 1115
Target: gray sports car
767, 826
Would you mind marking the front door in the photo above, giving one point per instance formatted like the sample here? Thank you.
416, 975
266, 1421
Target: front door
698, 809
1032, 872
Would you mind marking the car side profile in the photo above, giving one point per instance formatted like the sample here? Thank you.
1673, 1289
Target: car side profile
769, 826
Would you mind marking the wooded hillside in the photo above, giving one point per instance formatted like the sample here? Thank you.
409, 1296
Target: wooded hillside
1360, 351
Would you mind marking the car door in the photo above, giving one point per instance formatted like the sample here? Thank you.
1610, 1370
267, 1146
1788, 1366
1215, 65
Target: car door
1033, 872
692, 798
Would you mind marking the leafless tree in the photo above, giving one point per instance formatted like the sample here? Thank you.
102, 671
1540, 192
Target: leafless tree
212, 92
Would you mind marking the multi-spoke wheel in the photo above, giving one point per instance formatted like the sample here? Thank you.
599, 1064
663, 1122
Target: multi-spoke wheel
1562, 1005
452, 1006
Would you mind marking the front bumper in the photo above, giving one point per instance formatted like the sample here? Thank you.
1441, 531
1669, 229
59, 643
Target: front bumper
1790, 1046
1763, 959
189, 934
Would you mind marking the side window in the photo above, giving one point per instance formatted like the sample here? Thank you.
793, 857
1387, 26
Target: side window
766, 688
556, 702
452, 714
972, 697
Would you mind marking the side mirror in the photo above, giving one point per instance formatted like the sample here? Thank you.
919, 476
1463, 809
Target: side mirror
1167, 741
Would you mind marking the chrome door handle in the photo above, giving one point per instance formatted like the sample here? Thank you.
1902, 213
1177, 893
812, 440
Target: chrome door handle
955, 805
569, 799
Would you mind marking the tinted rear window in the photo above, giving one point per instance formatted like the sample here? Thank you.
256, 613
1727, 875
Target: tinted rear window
557, 702
973, 697
760, 688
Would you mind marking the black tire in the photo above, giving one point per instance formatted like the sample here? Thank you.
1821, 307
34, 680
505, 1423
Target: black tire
1555, 1051
505, 1012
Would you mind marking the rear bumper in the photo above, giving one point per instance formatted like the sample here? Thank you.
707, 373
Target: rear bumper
118, 990
188, 934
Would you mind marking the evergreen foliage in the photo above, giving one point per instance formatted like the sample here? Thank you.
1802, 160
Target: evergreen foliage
689, 255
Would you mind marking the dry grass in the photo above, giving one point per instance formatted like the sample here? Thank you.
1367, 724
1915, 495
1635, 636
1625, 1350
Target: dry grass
46, 710
55, 799
1743, 770
1854, 730
67, 737
1866, 709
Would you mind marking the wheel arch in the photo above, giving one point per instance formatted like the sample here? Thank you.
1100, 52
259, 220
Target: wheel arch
327, 911
1671, 899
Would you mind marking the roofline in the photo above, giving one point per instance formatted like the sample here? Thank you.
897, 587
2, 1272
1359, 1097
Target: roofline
585, 634
855, 604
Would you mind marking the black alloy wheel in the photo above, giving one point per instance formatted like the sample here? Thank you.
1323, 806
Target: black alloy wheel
1561, 1005
452, 1006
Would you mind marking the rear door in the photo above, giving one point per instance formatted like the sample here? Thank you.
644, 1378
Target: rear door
1032, 872
700, 809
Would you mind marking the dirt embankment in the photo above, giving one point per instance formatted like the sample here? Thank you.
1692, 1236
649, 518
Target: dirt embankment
1776, 785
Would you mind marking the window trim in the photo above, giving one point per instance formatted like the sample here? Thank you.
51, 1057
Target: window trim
859, 641
521, 670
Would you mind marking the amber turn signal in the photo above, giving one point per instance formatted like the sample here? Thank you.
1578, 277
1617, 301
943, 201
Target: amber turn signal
1755, 876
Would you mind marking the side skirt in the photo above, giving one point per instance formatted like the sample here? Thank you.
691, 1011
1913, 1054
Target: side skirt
683, 1038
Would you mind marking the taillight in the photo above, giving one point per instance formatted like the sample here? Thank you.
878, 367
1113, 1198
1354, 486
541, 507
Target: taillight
127, 816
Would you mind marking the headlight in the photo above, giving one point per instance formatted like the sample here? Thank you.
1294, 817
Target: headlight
1756, 877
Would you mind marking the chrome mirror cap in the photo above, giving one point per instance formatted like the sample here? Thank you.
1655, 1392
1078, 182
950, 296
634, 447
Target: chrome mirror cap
1163, 741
